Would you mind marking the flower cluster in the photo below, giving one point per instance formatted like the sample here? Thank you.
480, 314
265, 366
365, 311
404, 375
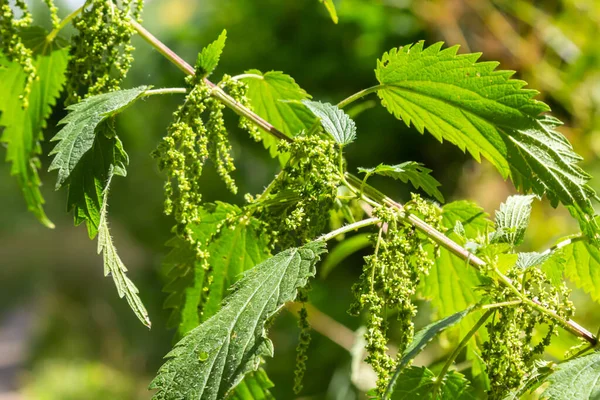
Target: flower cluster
101, 49
238, 90
296, 205
510, 353
12, 46
389, 281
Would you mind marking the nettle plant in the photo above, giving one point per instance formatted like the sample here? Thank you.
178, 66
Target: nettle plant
231, 268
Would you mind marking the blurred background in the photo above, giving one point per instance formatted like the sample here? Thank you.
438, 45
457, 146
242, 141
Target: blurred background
64, 334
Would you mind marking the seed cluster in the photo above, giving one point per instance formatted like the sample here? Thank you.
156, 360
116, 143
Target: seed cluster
101, 49
388, 282
510, 353
12, 46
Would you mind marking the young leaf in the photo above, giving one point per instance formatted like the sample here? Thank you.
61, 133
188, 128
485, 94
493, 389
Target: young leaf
512, 220
528, 260
335, 121
208, 59
76, 138
87, 182
577, 379
330, 9
486, 113
23, 127
115, 267
213, 358
419, 383
271, 98
411, 171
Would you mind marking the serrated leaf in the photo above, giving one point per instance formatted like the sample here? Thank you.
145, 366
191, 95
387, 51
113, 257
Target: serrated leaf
113, 265
274, 98
213, 358
335, 121
418, 383
412, 171
87, 182
512, 220
483, 111
35, 38
233, 250
23, 127
255, 386
331, 10
473, 219
76, 138
208, 59
528, 260
582, 267
575, 379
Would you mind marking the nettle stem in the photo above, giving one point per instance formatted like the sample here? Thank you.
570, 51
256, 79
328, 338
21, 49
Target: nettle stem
52, 35
353, 183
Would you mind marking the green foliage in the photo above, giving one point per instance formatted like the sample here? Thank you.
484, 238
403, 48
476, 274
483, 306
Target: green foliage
23, 126
415, 172
112, 262
208, 58
420, 383
335, 121
331, 10
577, 379
342, 251
512, 220
213, 358
255, 386
580, 261
486, 113
76, 138
272, 97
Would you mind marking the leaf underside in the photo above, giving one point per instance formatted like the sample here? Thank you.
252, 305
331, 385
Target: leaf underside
412, 171
512, 220
214, 357
335, 121
484, 112
23, 127
76, 138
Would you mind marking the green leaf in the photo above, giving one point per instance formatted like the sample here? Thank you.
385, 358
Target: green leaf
255, 386
208, 59
233, 250
335, 121
419, 382
76, 138
528, 260
274, 98
87, 182
582, 267
486, 113
23, 128
213, 358
512, 220
451, 283
114, 266
342, 251
420, 340
575, 379
415, 172
331, 10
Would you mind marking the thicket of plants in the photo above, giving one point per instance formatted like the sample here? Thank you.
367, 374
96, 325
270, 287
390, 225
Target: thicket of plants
231, 268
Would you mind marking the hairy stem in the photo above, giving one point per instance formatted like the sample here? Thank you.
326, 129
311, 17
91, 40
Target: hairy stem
348, 228
373, 195
52, 35
153, 92
359, 95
